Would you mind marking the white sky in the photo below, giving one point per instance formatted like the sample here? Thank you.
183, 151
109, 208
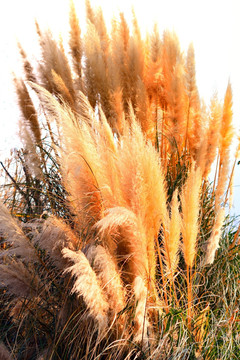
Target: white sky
212, 25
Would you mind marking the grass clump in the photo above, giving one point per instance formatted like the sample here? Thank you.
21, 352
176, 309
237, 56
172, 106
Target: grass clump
122, 249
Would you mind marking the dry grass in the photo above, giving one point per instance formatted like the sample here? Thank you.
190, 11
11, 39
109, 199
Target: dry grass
132, 259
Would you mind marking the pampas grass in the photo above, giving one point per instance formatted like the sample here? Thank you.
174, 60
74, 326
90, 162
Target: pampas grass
75, 42
172, 238
213, 134
213, 241
28, 111
19, 244
128, 253
226, 136
86, 285
18, 279
54, 236
119, 231
109, 276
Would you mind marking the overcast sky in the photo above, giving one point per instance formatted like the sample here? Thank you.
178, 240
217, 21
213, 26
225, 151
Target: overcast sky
212, 25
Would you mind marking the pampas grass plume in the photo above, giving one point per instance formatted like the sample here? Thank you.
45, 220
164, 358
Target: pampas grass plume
141, 321
119, 231
87, 286
172, 237
18, 279
110, 278
54, 236
213, 241
14, 235
75, 40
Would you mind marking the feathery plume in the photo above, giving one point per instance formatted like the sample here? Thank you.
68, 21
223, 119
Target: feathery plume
213, 134
190, 199
87, 286
28, 69
171, 238
135, 60
145, 112
14, 236
106, 132
155, 44
81, 161
28, 111
152, 66
18, 279
143, 181
170, 57
176, 106
102, 32
53, 58
213, 241
198, 139
90, 15
190, 75
53, 237
32, 159
141, 319
143, 187
226, 131
97, 69
116, 100
75, 41
193, 106
222, 181
109, 276
226, 135
120, 49
119, 230
62, 90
